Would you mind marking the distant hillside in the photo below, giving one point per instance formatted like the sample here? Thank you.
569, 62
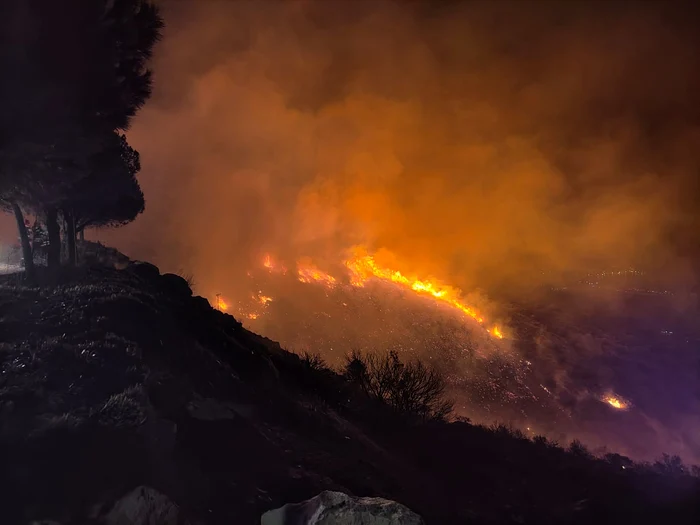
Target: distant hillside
116, 378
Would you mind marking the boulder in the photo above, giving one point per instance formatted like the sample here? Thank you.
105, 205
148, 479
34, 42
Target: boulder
143, 506
144, 270
175, 284
337, 508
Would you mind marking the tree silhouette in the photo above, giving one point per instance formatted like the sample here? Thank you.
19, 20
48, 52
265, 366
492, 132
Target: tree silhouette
411, 388
109, 195
73, 72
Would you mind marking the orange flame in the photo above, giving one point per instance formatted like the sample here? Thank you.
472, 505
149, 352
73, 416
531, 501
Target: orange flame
264, 299
308, 273
363, 267
616, 402
221, 305
272, 266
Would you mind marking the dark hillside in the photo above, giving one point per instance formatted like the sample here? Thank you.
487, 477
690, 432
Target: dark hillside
118, 378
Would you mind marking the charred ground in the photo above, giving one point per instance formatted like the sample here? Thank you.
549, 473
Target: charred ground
117, 378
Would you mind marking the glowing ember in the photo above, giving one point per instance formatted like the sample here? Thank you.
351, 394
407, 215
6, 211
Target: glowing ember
308, 273
363, 267
264, 299
615, 402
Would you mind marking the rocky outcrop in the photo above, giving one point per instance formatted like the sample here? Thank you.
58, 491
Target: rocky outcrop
175, 285
336, 508
144, 506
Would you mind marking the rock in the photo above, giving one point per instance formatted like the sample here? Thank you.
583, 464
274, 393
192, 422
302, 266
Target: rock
336, 508
144, 270
201, 305
143, 506
175, 284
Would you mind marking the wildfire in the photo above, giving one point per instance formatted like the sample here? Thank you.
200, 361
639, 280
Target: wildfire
221, 305
264, 299
308, 273
272, 266
616, 402
363, 267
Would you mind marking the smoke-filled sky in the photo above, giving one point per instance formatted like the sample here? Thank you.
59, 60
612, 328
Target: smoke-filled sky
484, 143
481, 142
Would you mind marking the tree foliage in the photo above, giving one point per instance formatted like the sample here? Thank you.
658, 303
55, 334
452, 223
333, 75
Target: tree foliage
411, 388
73, 73
110, 194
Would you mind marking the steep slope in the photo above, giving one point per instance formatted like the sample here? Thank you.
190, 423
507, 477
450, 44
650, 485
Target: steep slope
113, 379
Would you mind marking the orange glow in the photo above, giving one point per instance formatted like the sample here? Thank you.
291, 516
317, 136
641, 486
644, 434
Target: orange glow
221, 305
264, 299
616, 402
308, 273
273, 266
363, 267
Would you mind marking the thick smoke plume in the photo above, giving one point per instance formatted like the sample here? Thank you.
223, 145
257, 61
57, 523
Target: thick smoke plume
487, 143
493, 145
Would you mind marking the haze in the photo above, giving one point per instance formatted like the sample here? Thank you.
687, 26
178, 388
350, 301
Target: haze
483, 143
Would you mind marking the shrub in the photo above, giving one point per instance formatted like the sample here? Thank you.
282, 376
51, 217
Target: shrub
578, 449
314, 361
412, 389
670, 465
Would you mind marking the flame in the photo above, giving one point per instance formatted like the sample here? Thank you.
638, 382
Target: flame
363, 267
272, 266
308, 273
616, 402
221, 304
264, 299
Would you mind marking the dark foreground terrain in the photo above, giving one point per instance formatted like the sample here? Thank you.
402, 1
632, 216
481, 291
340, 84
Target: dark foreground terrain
118, 378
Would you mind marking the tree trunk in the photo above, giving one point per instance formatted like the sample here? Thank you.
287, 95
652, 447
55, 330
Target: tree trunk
54, 231
27, 253
70, 238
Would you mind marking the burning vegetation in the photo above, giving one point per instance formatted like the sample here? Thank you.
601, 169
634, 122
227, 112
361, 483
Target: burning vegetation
616, 402
361, 268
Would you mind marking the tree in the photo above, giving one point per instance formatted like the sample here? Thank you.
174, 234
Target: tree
109, 195
73, 73
411, 388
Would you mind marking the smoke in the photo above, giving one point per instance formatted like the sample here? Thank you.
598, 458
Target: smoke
486, 143
494, 145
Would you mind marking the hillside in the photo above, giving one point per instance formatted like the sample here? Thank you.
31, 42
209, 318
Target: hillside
115, 378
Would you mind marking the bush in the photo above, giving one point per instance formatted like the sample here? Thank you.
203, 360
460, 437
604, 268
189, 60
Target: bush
579, 450
412, 389
314, 361
670, 466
